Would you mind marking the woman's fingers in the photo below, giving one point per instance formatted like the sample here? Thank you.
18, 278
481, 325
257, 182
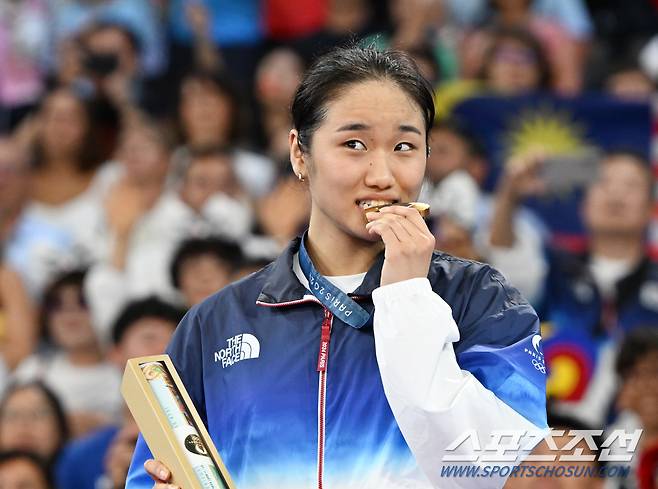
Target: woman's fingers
389, 237
411, 214
395, 224
157, 470
409, 244
408, 219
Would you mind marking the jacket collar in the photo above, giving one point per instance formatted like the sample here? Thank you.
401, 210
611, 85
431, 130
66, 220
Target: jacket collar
282, 287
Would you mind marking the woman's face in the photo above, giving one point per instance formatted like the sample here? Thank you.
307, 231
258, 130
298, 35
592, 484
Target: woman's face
21, 473
28, 422
69, 321
144, 158
371, 146
64, 125
202, 276
513, 69
206, 177
205, 114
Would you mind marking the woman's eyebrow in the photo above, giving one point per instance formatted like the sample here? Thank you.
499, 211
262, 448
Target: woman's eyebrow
409, 128
353, 126
360, 126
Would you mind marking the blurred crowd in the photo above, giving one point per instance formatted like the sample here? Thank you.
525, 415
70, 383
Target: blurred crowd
144, 166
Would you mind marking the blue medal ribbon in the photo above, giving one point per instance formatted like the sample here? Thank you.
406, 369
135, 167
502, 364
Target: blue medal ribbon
338, 302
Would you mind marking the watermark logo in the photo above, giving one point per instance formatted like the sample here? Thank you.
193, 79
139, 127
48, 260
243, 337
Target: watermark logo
515, 445
539, 471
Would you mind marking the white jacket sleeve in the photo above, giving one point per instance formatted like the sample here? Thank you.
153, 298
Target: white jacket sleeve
433, 400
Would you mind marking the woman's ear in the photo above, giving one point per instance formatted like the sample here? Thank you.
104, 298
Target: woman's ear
297, 155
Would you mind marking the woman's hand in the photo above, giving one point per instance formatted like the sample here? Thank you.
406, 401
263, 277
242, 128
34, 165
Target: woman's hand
409, 243
159, 473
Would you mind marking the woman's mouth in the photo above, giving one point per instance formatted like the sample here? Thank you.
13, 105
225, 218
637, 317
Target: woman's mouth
368, 204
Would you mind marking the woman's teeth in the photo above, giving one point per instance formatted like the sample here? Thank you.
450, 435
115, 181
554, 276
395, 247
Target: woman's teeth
365, 204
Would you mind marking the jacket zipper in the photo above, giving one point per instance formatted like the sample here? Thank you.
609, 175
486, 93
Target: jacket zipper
323, 358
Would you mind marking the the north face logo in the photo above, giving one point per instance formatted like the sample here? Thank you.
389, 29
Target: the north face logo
240, 347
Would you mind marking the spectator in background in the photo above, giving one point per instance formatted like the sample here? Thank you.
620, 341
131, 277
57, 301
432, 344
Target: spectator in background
277, 77
421, 28
110, 69
627, 81
572, 15
65, 187
455, 167
592, 299
70, 17
18, 331
32, 419
202, 266
24, 33
636, 366
212, 193
515, 64
555, 42
30, 244
250, 265
101, 458
284, 212
648, 468
145, 219
345, 21
234, 28
209, 114
71, 361
23, 470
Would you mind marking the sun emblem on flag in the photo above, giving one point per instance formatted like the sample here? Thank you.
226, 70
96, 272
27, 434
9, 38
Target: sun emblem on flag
546, 129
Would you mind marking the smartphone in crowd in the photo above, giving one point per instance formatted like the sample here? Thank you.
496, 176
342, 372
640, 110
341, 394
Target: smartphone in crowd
564, 173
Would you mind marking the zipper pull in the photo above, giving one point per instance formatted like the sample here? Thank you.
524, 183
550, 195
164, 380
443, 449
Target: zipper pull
323, 354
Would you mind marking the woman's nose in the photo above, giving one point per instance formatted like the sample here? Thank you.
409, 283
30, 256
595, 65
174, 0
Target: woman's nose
379, 173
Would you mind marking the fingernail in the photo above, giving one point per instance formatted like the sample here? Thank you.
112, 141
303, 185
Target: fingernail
163, 474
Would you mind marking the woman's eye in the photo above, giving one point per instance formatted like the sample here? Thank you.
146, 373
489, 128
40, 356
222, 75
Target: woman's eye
404, 147
355, 144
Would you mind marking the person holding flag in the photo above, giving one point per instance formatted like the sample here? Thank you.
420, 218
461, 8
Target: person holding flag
361, 354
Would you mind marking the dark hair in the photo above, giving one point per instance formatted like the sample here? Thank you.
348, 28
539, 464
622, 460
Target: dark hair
425, 52
40, 464
91, 153
458, 128
345, 66
108, 24
149, 307
225, 251
63, 429
638, 343
522, 36
221, 82
50, 298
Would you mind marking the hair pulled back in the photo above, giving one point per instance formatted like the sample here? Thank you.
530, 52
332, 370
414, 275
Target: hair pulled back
346, 66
